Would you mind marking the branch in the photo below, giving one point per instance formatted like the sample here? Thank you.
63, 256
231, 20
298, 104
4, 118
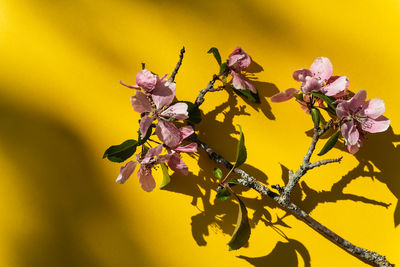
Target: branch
247, 180
306, 165
178, 65
210, 88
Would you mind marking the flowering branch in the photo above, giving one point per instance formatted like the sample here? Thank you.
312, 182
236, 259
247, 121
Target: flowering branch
154, 100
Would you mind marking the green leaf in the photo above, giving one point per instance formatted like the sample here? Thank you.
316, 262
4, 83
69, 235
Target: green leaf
216, 54
252, 97
223, 194
299, 96
166, 178
120, 153
316, 116
217, 173
241, 153
242, 231
147, 136
328, 100
143, 66
330, 143
223, 69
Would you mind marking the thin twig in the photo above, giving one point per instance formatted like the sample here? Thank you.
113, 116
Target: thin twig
178, 65
306, 165
210, 88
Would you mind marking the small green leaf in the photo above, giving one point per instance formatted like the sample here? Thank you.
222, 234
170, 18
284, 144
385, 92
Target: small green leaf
217, 173
147, 136
252, 97
330, 143
242, 231
223, 69
166, 178
143, 66
241, 153
299, 96
120, 153
223, 194
322, 121
328, 100
316, 116
216, 54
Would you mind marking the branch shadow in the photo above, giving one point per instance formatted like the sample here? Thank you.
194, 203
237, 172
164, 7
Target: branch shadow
378, 150
222, 215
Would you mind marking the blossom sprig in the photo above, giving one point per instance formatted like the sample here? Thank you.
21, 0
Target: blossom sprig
233, 73
354, 115
153, 100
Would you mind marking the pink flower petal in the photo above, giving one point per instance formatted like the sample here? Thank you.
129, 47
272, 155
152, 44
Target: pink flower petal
284, 95
311, 84
336, 85
377, 125
354, 149
357, 100
168, 133
241, 83
177, 111
141, 103
186, 131
342, 110
239, 59
322, 68
146, 179
154, 151
163, 94
301, 74
146, 80
177, 164
126, 171
350, 133
145, 123
190, 148
374, 108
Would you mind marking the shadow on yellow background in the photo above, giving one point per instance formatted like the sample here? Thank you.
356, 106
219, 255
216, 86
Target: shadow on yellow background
61, 106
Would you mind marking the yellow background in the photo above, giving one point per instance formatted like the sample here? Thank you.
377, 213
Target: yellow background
61, 106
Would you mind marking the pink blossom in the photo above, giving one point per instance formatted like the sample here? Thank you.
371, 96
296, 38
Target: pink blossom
146, 179
358, 115
239, 59
241, 83
153, 106
175, 161
318, 78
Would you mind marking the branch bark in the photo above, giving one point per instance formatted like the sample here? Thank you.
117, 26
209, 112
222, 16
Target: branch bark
247, 180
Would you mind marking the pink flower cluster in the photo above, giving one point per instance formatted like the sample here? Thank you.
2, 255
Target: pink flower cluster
239, 60
356, 116
316, 79
153, 98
